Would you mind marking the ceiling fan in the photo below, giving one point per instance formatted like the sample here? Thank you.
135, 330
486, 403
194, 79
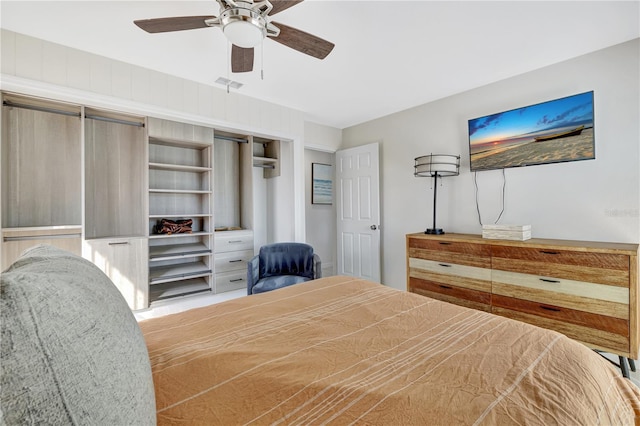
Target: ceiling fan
246, 23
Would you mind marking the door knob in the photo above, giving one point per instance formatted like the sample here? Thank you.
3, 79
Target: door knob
373, 227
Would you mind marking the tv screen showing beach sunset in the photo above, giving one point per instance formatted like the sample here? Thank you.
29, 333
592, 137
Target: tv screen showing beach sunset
550, 132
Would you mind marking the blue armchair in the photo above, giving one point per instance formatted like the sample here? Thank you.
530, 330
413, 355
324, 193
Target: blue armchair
281, 265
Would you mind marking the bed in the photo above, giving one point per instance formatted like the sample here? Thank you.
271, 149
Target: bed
336, 350
340, 350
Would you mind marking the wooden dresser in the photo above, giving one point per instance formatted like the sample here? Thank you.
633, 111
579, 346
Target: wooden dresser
585, 290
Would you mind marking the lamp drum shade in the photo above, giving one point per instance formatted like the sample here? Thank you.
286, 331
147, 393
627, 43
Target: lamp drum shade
437, 164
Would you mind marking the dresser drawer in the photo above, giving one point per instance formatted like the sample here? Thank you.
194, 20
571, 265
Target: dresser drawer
573, 316
233, 241
589, 297
452, 246
591, 336
233, 261
470, 277
450, 293
603, 268
233, 280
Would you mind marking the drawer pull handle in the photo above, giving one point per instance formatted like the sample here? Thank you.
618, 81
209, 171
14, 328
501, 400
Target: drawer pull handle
549, 308
234, 261
445, 243
121, 243
445, 287
548, 252
444, 265
235, 241
236, 280
546, 280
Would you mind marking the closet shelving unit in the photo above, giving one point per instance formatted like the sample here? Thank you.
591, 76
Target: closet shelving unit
180, 187
266, 155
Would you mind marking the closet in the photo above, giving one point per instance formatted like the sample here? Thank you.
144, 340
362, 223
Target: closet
165, 208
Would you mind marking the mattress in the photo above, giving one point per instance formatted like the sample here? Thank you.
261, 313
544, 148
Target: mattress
342, 350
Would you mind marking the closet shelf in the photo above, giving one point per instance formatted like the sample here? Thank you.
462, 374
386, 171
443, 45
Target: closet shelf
185, 216
193, 234
178, 167
177, 251
43, 228
180, 271
164, 291
179, 191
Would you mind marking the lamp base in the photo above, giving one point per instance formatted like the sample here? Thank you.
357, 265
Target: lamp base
434, 231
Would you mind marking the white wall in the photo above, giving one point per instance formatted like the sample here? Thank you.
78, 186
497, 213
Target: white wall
320, 218
322, 138
594, 200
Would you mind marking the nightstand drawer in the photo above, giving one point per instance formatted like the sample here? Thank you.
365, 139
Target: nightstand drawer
233, 261
585, 296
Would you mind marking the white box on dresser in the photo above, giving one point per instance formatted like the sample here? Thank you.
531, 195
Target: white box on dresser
506, 232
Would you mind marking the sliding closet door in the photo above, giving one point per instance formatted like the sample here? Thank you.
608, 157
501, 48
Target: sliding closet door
115, 201
41, 176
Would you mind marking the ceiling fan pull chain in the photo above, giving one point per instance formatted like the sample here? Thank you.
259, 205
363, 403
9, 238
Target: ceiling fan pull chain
228, 65
262, 59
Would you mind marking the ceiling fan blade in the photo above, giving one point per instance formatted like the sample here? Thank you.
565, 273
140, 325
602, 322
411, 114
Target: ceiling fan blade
280, 5
176, 23
303, 42
241, 59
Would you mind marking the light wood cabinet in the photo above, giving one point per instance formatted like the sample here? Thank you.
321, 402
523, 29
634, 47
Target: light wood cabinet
233, 249
123, 260
180, 188
585, 290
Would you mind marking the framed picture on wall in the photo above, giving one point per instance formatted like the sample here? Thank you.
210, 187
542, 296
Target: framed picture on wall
321, 183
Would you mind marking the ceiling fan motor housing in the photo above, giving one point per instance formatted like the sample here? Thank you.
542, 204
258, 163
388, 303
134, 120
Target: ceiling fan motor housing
245, 23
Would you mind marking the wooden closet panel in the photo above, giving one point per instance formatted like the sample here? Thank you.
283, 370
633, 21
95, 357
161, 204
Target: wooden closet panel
227, 194
41, 167
114, 179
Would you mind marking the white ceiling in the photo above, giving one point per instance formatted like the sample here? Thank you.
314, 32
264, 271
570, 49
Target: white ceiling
389, 55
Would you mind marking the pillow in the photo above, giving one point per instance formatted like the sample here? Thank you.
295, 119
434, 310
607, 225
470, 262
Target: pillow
71, 350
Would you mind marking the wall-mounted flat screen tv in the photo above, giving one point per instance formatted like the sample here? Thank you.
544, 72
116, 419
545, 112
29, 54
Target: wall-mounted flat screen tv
549, 132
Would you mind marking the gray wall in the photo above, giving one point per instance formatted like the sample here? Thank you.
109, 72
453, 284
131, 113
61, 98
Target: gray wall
594, 200
320, 219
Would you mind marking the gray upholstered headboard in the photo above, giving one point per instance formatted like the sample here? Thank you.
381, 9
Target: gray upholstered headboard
71, 350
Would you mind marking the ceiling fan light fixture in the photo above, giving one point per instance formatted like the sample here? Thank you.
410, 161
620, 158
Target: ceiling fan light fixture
243, 34
243, 27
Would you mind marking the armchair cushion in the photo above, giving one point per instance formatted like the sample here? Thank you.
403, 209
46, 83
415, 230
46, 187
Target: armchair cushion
280, 265
286, 259
272, 283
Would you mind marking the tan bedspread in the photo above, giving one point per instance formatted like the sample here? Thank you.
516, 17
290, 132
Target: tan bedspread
341, 350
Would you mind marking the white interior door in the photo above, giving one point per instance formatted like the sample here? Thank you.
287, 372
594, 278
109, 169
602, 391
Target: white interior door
358, 209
